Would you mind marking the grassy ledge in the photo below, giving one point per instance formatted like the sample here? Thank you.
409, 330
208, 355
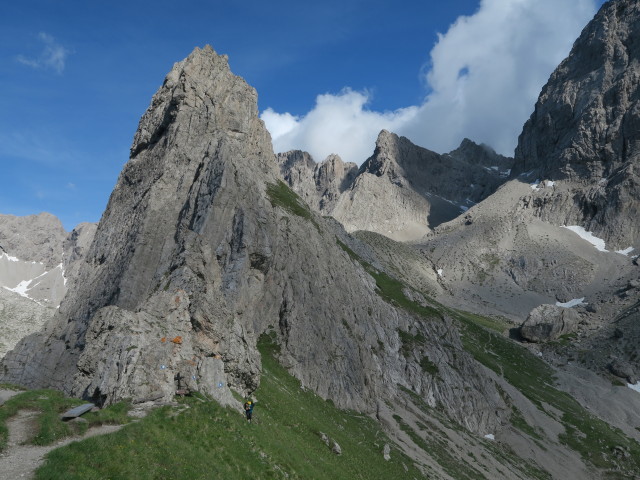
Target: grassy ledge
280, 195
390, 289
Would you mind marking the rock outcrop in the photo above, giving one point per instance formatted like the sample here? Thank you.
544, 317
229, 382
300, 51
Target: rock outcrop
585, 131
549, 322
202, 249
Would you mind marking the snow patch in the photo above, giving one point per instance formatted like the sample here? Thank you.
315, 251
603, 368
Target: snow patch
550, 183
536, 185
626, 251
635, 387
571, 303
588, 236
490, 436
9, 257
21, 288
440, 272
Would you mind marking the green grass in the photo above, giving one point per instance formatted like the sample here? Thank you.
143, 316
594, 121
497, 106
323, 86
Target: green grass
49, 404
593, 438
390, 289
280, 195
207, 441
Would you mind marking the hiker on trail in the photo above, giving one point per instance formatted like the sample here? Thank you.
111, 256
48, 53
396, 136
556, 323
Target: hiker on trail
248, 410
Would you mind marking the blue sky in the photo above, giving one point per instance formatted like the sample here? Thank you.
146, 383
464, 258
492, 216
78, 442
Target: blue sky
76, 76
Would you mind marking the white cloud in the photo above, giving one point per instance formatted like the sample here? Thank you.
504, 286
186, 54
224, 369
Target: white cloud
53, 55
484, 78
338, 124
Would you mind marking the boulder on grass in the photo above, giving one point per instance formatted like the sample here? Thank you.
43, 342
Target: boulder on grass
549, 322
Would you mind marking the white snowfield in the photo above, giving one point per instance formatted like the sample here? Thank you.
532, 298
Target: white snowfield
490, 436
588, 236
571, 303
635, 387
9, 257
595, 241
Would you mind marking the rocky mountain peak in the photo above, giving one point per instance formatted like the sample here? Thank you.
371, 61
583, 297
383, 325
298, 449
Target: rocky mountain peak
586, 119
36, 238
482, 155
200, 88
319, 184
585, 130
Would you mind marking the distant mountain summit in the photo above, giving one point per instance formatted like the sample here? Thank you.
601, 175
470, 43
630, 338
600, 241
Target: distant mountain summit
319, 184
402, 191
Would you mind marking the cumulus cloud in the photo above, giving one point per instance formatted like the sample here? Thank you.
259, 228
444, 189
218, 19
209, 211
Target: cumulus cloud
53, 55
338, 124
484, 77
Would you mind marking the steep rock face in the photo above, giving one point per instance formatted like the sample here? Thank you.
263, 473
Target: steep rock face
76, 247
202, 249
19, 317
319, 184
403, 190
585, 130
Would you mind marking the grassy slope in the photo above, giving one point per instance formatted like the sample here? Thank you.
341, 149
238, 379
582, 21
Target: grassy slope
595, 440
207, 441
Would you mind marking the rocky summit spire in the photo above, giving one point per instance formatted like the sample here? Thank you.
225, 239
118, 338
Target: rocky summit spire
202, 249
199, 146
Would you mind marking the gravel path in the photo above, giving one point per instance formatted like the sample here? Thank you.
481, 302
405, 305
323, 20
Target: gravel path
20, 461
